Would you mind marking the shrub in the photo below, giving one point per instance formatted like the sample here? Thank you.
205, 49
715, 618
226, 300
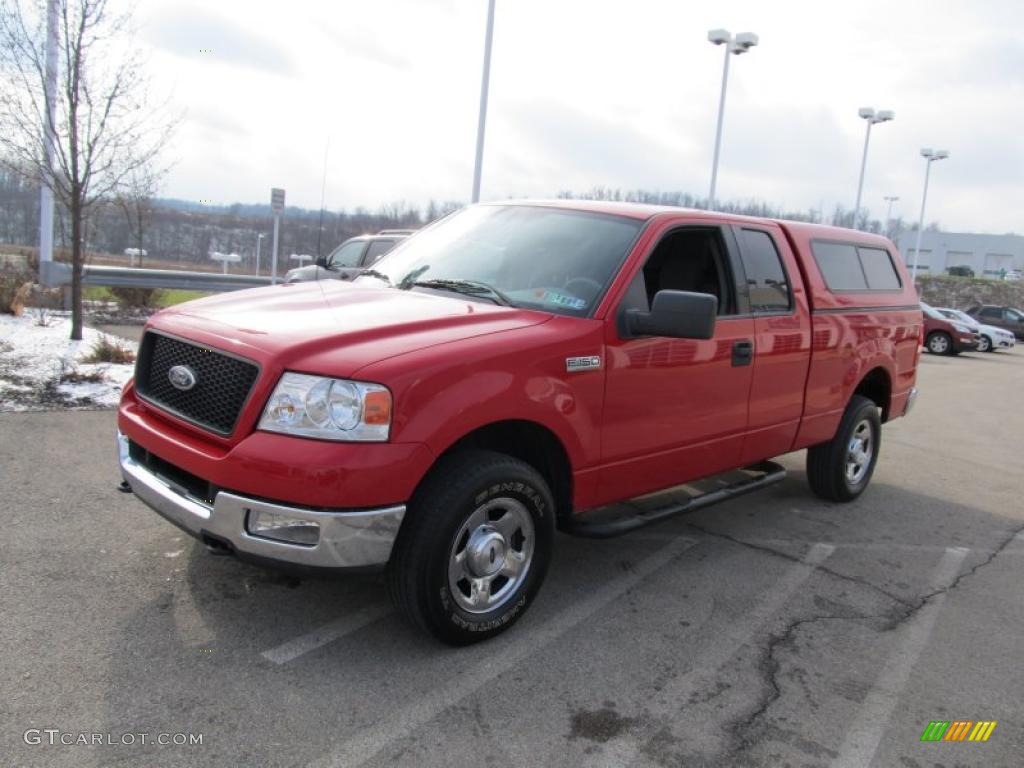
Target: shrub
74, 376
106, 350
12, 277
135, 297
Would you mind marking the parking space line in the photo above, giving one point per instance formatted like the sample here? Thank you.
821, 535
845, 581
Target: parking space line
707, 666
868, 546
328, 633
506, 653
863, 736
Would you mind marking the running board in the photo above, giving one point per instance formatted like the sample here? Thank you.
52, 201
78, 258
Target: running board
768, 473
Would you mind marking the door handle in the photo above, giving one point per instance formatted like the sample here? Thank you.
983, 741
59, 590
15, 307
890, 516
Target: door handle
742, 353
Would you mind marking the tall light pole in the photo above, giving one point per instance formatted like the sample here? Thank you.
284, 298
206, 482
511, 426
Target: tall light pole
888, 215
741, 43
49, 140
482, 119
890, 199
930, 156
872, 117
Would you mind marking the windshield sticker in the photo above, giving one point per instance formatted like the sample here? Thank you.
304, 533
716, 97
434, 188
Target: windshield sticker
572, 302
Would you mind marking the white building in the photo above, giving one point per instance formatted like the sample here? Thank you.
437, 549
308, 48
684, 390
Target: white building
988, 255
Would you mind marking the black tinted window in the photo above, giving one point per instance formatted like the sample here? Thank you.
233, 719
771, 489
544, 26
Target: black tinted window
840, 266
878, 269
769, 289
992, 312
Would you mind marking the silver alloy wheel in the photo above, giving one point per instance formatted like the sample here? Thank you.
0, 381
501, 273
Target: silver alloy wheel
491, 555
939, 344
859, 452
984, 344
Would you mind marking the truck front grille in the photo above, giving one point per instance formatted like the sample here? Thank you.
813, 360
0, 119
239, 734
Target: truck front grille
221, 382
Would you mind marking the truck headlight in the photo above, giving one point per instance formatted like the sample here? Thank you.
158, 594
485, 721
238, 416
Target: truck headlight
328, 409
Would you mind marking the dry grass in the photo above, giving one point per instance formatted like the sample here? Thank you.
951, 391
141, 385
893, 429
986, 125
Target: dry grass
106, 350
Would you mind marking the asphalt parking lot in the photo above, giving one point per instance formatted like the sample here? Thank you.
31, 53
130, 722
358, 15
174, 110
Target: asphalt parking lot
775, 630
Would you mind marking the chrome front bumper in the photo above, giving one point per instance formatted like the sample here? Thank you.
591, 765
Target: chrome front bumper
348, 539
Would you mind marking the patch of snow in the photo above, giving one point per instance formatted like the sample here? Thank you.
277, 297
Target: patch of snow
40, 367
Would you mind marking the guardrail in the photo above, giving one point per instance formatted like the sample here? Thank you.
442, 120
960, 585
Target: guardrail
58, 273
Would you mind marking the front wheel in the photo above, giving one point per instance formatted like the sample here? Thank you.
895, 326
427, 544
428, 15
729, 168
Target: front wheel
841, 469
985, 344
939, 343
474, 547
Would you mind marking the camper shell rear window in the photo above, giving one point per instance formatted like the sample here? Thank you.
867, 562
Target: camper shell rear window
853, 268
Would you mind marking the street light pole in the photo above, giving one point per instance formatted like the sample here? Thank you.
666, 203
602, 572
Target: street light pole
890, 200
930, 156
872, 117
49, 139
718, 130
484, 87
259, 239
741, 43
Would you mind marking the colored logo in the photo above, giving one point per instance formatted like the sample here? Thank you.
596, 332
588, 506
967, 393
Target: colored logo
958, 730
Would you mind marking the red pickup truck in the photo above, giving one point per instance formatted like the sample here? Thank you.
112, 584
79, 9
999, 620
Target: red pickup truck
504, 373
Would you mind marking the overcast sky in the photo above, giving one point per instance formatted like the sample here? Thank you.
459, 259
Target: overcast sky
595, 92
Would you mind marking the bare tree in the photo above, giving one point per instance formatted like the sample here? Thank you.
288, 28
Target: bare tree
104, 129
135, 199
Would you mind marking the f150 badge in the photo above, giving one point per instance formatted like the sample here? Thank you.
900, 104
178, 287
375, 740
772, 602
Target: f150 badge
574, 364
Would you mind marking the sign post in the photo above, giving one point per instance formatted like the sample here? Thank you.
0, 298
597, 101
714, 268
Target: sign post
277, 205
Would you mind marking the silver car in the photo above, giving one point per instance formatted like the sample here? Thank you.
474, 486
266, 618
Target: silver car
990, 338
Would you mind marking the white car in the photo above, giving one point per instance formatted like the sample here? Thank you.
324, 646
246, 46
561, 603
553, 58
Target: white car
1014, 275
991, 338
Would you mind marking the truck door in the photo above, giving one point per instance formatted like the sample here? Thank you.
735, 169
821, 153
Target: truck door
676, 409
782, 341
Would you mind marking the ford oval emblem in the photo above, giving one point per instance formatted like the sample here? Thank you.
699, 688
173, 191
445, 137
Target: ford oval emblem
182, 377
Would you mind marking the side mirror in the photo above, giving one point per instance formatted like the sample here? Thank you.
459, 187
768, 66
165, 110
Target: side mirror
321, 261
676, 314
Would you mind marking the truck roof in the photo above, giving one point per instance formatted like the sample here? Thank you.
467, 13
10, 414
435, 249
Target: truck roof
805, 230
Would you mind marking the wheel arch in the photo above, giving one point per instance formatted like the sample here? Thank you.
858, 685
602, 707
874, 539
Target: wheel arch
530, 442
876, 385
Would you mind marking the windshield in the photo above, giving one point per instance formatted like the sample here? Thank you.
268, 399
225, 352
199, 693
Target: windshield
956, 314
530, 256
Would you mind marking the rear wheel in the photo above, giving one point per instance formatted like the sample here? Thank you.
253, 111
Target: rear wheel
939, 343
474, 547
841, 469
985, 344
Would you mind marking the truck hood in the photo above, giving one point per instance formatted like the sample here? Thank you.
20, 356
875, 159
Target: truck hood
332, 327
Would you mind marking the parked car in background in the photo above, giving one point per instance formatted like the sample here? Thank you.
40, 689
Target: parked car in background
990, 338
961, 270
350, 258
1010, 318
943, 336
1014, 276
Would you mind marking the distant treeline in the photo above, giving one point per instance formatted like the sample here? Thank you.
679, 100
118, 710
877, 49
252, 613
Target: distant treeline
186, 232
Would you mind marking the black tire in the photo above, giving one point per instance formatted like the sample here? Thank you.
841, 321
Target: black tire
939, 343
827, 464
985, 344
462, 487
